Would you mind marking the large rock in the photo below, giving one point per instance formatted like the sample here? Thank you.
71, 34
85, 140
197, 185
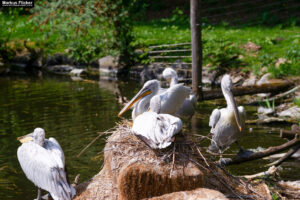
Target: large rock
133, 171
109, 65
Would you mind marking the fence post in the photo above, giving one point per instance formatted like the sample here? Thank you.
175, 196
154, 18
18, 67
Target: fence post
196, 40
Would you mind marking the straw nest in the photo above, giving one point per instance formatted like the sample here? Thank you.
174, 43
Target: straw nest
132, 171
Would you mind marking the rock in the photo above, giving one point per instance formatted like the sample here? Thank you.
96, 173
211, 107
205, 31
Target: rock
109, 65
292, 112
265, 111
250, 80
280, 61
198, 194
133, 171
60, 69
264, 79
78, 72
250, 46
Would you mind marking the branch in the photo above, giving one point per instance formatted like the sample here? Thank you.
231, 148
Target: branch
288, 154
255, 89
272, 170
264, 153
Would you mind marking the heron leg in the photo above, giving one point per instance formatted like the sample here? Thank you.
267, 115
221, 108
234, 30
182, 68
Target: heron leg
39, 196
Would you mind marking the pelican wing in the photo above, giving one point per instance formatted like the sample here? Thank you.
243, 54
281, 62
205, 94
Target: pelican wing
214, 118
172, 98
156, 130
56, 151
44, 171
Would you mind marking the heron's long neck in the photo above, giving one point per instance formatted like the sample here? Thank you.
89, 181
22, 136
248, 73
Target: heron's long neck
40, 141
230, 104
174, 81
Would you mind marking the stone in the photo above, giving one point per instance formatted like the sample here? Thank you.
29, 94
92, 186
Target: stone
109, 65
250, 80
280, 61
292, 112
78, 72
197, 194
265, 111
250, 46
264, 79
60, 69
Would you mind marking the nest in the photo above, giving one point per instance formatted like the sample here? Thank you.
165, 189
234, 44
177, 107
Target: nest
132, 170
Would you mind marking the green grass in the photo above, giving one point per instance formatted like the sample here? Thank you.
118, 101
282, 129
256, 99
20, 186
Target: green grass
220, 43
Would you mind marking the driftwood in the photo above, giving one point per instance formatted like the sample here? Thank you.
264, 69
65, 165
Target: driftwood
287, 155
271, 171
263, 153
287, 134
274, 87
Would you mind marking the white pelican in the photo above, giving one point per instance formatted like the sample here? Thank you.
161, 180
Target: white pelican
156, 130
171, 98
188, 107
43, 162
226, 123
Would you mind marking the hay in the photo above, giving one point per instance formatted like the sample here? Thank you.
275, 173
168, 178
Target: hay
132, 170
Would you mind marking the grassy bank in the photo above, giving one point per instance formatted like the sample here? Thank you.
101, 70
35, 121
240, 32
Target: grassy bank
220, 43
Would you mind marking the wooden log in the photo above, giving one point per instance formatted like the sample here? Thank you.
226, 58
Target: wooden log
263, 153
196, 40
274, 87
286, 156
287, 134
290, 134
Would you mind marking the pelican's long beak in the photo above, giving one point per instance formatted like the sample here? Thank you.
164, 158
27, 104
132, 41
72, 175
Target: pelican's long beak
25, 138
235, 110
142, 93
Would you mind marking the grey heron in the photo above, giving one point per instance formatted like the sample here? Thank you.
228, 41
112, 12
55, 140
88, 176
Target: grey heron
187, 109
43, 163
156, 130
171, 99
226, 123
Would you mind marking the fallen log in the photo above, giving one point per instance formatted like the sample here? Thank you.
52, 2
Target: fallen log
290, 134
273, 87
263, 153
271, 171
287, 155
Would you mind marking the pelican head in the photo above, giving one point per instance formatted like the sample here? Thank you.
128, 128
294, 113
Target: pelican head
150, 87
170, 75
38, 136
226, 85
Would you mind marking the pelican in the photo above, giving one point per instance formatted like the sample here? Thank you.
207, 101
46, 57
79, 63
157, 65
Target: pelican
171, 99
226, 123
156, 130
43, 162
188, 106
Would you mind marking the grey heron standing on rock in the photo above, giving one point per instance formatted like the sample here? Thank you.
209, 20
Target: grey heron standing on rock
43, 162
226, 123
170, 99
187, 109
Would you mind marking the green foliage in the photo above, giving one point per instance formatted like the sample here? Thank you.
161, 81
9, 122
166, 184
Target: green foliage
297, 101
89, 28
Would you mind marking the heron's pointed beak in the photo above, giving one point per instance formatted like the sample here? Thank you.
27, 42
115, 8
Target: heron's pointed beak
142, 93
235, 110
25, 138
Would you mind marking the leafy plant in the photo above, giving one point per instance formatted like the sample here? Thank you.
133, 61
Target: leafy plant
91, 27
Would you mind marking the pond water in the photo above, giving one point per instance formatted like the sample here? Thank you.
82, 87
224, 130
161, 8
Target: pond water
74, 111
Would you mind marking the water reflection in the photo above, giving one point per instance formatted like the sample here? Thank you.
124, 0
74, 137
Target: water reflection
74, 111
